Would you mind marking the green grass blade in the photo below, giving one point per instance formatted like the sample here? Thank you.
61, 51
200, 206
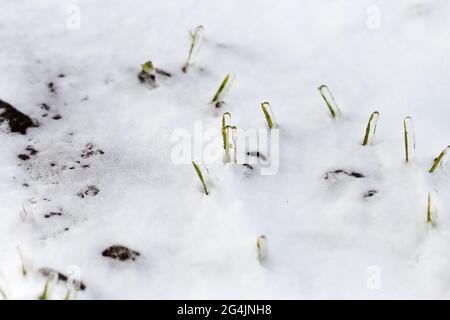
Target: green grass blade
265, 106
221, 88
44, 294
200, 176
196, 38
373, 117
429, 208
438, 159
406, 134
330, 101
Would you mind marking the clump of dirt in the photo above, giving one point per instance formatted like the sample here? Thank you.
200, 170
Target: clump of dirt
89, 191
23, 157
148, 74
45, 107
49, 272
52, 214
57, 117
17, 121
51, 87
90, 151
370, 193
31, 152
147, 78
121, 253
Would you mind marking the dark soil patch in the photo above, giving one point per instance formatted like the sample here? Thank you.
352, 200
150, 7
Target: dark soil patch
52, 214
370, 193
89, 191
23, 157
57, 117
45, 107
31, 150
120, 253
149, 79
51, 87
18, 121
90, 151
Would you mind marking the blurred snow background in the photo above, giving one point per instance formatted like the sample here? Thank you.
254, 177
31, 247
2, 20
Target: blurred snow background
325, 241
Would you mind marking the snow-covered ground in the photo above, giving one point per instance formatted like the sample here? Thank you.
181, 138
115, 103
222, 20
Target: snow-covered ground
325, 239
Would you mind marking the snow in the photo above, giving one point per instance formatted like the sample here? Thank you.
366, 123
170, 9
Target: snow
324, 239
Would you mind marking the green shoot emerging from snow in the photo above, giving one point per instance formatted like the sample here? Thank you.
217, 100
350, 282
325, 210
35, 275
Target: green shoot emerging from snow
439, 159
147, 67
216, 99
432, 208
200, 176
67, 297
196, 39
44, 294
373, 117
329, 100
409, 136
429, 208
267, 110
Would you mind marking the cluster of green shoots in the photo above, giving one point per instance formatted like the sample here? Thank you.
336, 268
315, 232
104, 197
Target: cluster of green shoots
196, 40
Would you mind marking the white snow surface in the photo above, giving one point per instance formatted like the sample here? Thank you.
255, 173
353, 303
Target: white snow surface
323, 239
